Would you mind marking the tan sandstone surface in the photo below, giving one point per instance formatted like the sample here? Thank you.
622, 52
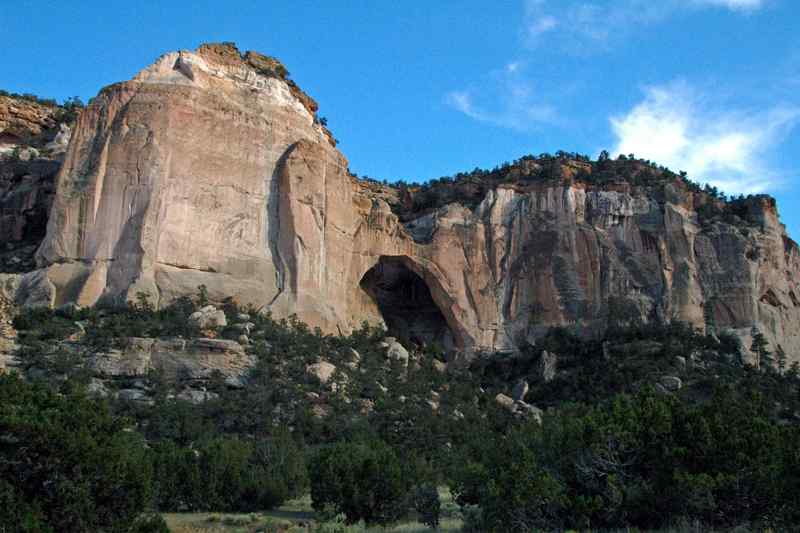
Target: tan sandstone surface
210, 168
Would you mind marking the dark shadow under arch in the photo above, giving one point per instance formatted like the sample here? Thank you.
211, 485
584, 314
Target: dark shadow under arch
406, 304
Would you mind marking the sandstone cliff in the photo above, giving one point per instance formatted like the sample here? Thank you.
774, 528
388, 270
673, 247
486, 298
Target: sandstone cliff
210, 168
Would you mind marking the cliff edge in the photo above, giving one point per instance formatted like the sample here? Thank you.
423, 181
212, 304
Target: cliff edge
210, 168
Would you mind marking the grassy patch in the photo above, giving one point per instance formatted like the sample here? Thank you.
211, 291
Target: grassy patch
297, 516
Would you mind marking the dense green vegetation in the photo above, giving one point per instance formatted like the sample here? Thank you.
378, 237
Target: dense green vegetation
67, 463
641, 460
363, 480
470, 188
613, 451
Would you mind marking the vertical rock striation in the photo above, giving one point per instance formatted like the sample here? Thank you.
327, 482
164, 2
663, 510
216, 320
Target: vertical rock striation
210, 168
170, 182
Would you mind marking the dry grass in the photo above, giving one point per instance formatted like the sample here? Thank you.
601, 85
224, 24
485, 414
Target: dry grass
296, 516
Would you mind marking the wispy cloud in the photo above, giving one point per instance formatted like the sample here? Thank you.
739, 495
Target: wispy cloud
677, 126
736, 5
586, 26
509, 101
540, 25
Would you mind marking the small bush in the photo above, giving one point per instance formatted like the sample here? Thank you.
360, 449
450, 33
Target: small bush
428, 505
150, 523
362, 480
228, 474
472, 519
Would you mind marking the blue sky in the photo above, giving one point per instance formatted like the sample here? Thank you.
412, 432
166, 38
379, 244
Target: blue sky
418, 89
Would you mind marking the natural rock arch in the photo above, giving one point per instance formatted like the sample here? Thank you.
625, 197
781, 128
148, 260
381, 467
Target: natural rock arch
412, 303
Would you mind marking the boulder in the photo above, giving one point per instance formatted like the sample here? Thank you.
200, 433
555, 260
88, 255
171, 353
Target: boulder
133, 395
323, 371
366, 406
528, 411
133, 360
505, 402
671, 383
319, 410
97, 387
520, 390
244, 327
196, 396
60, 142
547, 366
36, 290
355, 357
212, 345
396, 351
209, 317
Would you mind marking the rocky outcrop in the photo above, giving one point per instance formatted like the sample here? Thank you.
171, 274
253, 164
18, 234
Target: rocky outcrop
187, 361
520, 391
171, 180
26, 122
208, 317
322, 371
33, 137
547, 366
8, 334
209, 168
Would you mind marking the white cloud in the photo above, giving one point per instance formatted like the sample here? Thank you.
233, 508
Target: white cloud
585, 26
677, 127
462, 101
513, 104
736, 5
541, 25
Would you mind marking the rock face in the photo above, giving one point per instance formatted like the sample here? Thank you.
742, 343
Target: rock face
210, 168
26, 194
25, 122
177, 359
171, 181
548, 363
33, 137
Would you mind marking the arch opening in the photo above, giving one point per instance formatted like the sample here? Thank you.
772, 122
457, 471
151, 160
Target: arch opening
406, 304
